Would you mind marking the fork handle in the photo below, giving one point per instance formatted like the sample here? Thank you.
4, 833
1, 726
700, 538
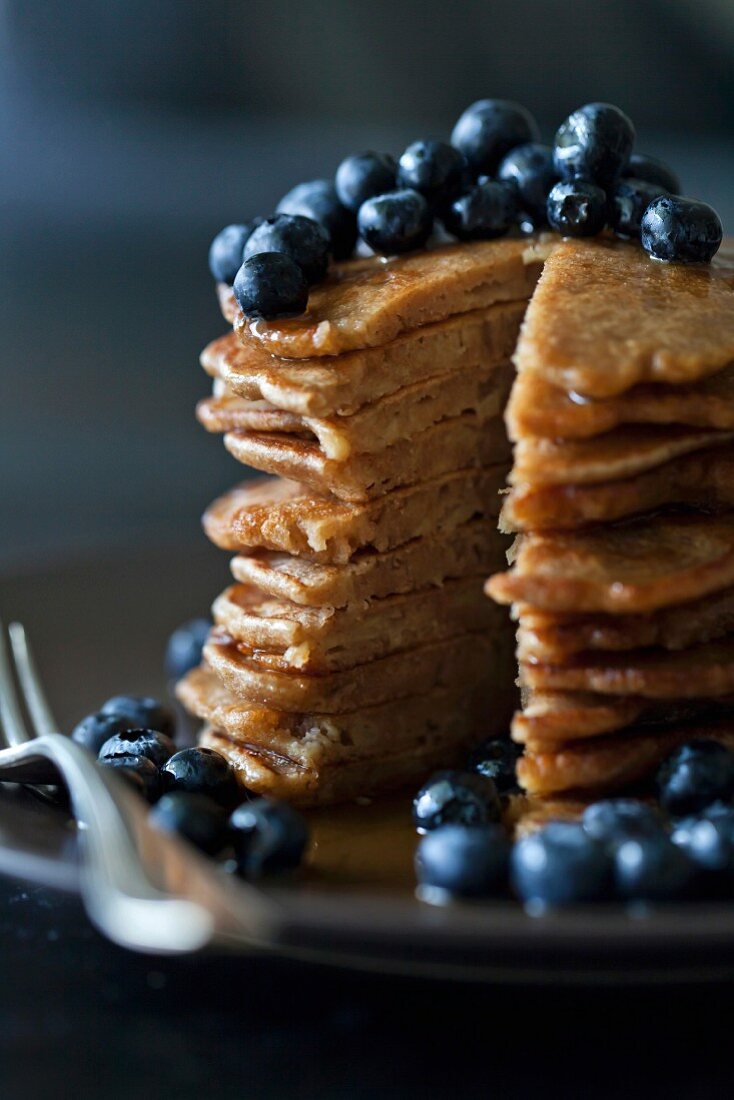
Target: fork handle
119, 895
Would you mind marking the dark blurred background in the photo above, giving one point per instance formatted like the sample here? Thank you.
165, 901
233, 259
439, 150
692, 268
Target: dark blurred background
130, 132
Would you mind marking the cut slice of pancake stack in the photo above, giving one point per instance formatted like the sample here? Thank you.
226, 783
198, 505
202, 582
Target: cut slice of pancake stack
622, 577
355, 650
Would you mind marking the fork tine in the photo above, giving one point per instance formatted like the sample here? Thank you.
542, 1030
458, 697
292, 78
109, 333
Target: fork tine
11, 716
30, 682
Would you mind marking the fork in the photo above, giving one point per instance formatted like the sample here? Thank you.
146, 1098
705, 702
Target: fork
121, 855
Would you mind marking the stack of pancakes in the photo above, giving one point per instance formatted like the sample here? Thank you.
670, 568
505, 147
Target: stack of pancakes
356, 649
622, 577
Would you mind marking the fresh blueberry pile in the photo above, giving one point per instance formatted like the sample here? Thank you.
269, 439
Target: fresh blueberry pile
493, 177
677, 846
193, 792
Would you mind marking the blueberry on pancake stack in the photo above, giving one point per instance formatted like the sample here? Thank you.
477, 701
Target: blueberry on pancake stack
356, 650
622, 582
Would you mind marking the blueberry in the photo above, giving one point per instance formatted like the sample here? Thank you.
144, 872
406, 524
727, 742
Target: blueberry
318, 200
271, 285
185, 646
194, 817
594, 143
457, 798
489, 129
399, 221
577, 208
531, 169
149, 714
694, 776
140, 767
617, 819
302, 239
202, 771
437, 170
495, 759
92, 732
628, 203
652, 170
684, 230
559, 865
268, 837
156, 746
652, 868
709, 839
466, 860
486, 211
225, 251
362, 176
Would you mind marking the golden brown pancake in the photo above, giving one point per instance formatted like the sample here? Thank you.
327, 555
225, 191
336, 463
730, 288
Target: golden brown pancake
635, 567
322, 639
608, 764
557, 717
605, 317
253, 677
450, 445
553, 638
275, 514
340, 385
307, 757
538, 408
698, 672
399, 416
622, 453
368, 303
702, 480
470, 549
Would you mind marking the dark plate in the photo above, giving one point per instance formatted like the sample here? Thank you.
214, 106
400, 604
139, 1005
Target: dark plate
100, 627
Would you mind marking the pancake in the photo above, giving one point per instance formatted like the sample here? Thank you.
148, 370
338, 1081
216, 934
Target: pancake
636, 567
340, 385
462, 660
399, 416
622, 453
604, 318
703, 480
316, 640
552, 639
538, 408
368, 303
470, 549
302, 756
275, 514
698, 672
558, 717
452, 444
609, 764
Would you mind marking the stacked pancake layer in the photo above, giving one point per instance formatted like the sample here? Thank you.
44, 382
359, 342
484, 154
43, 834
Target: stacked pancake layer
622, 578
355, 649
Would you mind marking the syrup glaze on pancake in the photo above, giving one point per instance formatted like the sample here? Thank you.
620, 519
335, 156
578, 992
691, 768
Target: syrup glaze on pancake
469, 549
275, 514
702, 480
604, 317
368, 303
634, 567
340, 385
538, 409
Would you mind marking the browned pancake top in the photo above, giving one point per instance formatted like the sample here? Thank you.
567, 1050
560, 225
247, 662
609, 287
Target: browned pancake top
605, 317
